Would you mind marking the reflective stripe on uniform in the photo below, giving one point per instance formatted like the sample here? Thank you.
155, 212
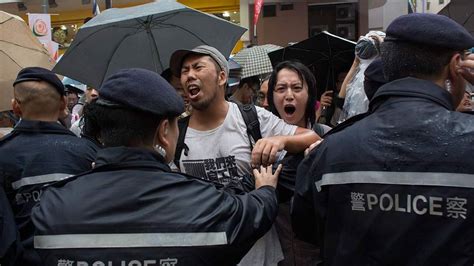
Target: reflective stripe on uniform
39, 179
130, 240
398, 178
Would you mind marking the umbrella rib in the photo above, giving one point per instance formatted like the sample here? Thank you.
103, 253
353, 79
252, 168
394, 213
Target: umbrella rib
153, 44
13, 60
37, 50
106, 28
465, 21
159, 20
188, 31
7, 20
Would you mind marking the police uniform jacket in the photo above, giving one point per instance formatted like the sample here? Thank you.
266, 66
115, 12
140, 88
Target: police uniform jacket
394, 186
132, 210
10, 246
36, 153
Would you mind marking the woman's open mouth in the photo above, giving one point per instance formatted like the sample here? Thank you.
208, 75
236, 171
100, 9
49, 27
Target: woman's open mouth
289, 109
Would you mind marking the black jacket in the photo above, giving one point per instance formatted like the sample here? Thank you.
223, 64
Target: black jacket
36, 153
139, 210
394, 186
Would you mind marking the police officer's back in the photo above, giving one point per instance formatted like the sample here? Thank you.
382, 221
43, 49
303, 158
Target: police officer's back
395, 186
10, 246
39, 150
131, 209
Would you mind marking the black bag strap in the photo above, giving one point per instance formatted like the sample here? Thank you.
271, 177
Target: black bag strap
180, 146
249, 113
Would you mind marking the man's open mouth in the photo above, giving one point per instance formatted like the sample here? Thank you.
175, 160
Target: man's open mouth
193, 90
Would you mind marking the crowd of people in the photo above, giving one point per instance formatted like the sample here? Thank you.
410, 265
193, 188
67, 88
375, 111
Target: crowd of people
169, 169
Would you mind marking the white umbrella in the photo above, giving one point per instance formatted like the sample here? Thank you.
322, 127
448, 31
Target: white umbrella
143, 36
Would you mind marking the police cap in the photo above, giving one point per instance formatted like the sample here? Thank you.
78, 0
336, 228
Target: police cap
142, 90
429, 29
40, 74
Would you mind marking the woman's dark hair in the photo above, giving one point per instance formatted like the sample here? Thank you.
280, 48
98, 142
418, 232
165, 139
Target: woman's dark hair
118, 126
306, 76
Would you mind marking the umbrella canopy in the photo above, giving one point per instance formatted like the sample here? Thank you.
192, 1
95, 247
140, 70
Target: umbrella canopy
462, 12
255, 60
325, 54
19, 48
143, 36
270, 47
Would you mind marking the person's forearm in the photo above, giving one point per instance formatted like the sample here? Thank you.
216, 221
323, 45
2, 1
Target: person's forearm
348, 78
301, 140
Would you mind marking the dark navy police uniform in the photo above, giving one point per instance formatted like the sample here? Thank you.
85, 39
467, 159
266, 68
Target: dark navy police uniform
396, 187
131, 209
10, 246
36, 153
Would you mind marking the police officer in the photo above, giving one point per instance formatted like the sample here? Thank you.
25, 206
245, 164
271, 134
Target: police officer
395, 186
39, 150
131, 209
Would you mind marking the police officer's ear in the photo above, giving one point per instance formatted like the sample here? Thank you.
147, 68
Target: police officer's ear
16, 107
162, 134
455, 79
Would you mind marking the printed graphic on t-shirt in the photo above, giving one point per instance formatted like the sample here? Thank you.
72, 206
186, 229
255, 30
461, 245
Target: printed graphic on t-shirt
222, 169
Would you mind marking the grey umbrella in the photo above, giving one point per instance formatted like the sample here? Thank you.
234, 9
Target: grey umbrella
461, 11
143, 36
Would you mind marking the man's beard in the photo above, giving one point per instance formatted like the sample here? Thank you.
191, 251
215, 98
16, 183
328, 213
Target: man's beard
203, 104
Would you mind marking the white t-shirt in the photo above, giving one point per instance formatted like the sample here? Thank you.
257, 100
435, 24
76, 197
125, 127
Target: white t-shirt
223, 153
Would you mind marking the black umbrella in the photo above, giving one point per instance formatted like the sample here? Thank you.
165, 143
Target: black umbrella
325, 54
460, 11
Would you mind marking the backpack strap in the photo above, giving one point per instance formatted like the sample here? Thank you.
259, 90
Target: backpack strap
249, 113
180, 146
